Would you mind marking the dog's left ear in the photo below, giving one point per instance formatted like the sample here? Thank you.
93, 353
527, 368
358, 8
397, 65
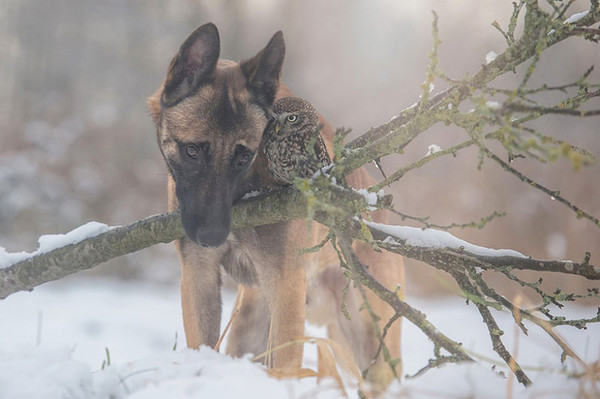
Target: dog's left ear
263, 71
194, 65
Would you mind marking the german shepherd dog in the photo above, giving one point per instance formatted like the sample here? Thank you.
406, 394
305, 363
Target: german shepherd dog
210, 115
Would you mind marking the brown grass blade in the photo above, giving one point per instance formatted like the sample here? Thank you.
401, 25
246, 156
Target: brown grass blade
327, 367
236, 311
330, 356
343, 358
283, 373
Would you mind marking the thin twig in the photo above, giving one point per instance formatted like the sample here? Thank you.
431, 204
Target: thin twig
427, 225
553, 194
351, 258
397, 175
493, 329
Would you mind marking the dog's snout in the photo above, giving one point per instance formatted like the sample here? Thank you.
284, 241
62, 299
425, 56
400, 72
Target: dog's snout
212, 237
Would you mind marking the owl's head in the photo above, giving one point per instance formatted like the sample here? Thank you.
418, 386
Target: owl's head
294, 114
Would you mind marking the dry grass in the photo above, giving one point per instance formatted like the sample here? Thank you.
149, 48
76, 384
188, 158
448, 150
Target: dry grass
332, 358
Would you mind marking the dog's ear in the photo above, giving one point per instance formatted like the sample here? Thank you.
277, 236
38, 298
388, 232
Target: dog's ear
264, 70
194, 65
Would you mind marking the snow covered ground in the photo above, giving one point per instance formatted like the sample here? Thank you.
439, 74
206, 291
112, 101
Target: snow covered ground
55, 340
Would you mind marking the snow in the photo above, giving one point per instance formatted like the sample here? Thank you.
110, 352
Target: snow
370, 198
431, 87
432, 149
492, 105
202, 373
576, 17
51, 368
572, 19
489, 57
436, 239
325, 170
412, 106
251, 194
137, 323
50, 242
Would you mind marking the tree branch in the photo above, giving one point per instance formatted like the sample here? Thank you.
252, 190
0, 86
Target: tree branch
400, 307
76, 257
395, 135
493, 328
61, 262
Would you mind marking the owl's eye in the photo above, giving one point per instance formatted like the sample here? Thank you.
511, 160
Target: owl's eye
292, 118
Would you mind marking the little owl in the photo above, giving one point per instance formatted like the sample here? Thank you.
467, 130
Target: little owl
293, 145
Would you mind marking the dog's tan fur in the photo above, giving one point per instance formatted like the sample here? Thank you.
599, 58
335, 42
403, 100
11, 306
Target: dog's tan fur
288, 287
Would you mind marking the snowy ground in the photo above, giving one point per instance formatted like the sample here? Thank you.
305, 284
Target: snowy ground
53, 340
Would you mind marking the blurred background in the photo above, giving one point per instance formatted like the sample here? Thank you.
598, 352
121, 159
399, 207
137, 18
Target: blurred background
77, 144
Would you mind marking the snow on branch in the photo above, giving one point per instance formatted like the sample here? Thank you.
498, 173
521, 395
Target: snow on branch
465, 262
437, 248
51, 242
95, 243
418, 244
76, 253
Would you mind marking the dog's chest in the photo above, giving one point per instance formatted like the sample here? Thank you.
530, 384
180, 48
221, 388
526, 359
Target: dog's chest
256, 251
238, 260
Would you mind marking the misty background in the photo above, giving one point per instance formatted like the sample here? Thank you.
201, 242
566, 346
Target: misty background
77, 144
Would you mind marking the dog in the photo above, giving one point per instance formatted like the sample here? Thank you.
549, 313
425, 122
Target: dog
210, 115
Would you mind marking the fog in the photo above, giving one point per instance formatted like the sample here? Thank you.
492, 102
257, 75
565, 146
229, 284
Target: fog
77, 144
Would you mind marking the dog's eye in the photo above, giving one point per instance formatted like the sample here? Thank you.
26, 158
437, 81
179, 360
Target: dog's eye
191, 150
244, 158
292, 118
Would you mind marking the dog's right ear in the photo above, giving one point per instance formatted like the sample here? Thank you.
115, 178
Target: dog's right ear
263, 71
194, 64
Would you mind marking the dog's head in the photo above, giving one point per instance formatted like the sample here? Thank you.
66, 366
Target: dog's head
210, 115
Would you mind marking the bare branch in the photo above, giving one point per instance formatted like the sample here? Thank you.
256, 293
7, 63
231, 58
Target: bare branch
493, 329
553, 110
396, 134
61, 262
427, 225
73, 258
397, 175
399, 306
353, 265
553, 194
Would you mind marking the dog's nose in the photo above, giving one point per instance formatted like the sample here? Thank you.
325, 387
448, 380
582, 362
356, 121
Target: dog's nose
212, 237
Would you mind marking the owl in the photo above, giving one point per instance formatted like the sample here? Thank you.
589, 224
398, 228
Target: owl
292, 143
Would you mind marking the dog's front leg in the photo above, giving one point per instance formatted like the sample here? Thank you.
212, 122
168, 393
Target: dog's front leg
285, 292
200, 293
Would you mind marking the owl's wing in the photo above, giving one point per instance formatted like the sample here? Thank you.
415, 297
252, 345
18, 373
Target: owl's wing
321, 151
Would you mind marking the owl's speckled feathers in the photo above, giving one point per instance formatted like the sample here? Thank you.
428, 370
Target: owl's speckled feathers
293, 145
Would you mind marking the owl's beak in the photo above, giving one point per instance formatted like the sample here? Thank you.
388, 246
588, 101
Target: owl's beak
277, 127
